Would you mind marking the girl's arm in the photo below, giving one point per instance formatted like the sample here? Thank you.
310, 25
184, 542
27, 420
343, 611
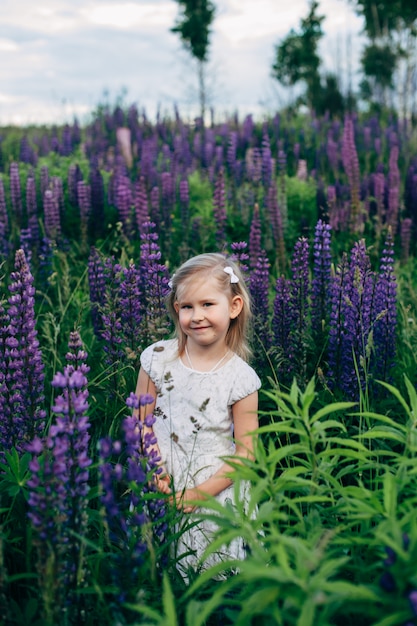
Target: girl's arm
245, 419
146, 386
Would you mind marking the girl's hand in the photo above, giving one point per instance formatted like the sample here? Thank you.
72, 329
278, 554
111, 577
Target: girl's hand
185, 500
163, 482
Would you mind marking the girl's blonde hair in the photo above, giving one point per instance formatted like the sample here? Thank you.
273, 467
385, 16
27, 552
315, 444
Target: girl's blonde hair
213, 264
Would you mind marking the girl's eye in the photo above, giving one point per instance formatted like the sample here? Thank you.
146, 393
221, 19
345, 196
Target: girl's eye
208, 304
185, 306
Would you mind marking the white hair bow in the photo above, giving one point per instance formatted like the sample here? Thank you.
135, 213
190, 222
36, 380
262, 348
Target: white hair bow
233, 277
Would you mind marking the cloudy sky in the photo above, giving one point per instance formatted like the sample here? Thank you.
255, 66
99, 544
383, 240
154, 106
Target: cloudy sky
61, 58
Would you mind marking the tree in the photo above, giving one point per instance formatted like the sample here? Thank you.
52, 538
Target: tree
389, 60
297, 60
193, 26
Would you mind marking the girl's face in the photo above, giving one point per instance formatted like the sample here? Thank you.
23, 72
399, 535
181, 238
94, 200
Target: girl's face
205, 311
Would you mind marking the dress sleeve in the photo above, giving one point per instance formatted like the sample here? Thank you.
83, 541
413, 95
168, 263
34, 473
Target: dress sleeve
246, 382
150, 360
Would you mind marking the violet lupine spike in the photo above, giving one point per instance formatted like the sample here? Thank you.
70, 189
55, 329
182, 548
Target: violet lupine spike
96, 282
130, 307
281, 323
84, 203
267, 162
25, 375
123, 198
110, 316
219, 210
59, 486
52, 218
320, 284
393, 190
299, 308
6, 423
141, 203
255, 238
126, 516
74, 176
167, 199
32, 210
44, 179
259, 290
241, 257
232, 153
4, 222
351, 164
336, 324
16, 192
275, 218
184, 194
385, 325
97, 222
154, 288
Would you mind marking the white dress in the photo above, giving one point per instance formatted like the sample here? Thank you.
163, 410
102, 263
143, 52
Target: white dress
194, 429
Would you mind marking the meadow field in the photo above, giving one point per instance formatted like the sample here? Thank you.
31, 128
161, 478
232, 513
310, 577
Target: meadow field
321, 216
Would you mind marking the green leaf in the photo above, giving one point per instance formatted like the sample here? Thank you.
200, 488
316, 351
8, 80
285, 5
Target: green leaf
332, 408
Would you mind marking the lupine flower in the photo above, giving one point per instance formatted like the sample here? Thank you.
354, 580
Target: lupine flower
16, 192
130, 517
4, 222
393, 190
267, 162
32, 210
255, 236
351, 165
51, 215
281, 322
123, 198
275, 218
184, 201
96, 282
58, 486
219, 210
259, 290
298, 308
240, 256
154, 288
110, 316
384, 336
84, 203
44, 179
24, 414
74, 176
320, 284
141, 204
97, 222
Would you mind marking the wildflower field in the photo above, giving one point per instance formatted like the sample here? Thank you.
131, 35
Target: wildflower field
321, 215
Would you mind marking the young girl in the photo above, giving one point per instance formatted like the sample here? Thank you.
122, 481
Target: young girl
206, 395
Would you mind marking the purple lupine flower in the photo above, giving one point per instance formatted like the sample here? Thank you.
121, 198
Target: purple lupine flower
74, 176
267, 162
155, 205
154, 288
123, 198
110, 317
240, 256
255, 236
24, 378
231, 153
97, 222
167, 199
96, 282
130, 308
184, 193
336, 324
32, 210
298, 309
141, 203
393, 190
320, 284
26, 152
259, 290
58, 486
141, 505
281, 322
44, 179
412, 597
52, 218
385, 323
84, 203
351, 166
379, 186
15, 192
4, 222
276, 221
219, 210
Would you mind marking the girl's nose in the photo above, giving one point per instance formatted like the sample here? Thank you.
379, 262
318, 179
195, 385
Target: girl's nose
198, 314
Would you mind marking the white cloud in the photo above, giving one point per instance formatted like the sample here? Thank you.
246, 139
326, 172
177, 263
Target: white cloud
128, 15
